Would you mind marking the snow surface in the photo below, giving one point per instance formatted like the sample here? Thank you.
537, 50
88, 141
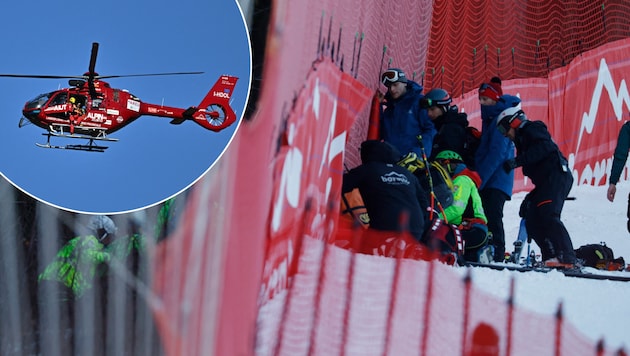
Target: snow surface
598, 308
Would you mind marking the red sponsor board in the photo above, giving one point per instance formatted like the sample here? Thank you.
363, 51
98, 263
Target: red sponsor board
309, 167
590, 102
584, 105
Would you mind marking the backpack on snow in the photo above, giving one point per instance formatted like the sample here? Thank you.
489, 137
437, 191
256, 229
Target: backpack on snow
599, 256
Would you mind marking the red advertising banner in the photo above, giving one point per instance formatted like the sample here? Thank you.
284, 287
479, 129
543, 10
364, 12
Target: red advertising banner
589, 102
584, 105
308, 170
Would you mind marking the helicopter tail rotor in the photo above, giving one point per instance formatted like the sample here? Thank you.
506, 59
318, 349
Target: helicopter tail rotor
214, 113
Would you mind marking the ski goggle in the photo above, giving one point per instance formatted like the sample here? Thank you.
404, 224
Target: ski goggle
391, 76
426, 103
512, 122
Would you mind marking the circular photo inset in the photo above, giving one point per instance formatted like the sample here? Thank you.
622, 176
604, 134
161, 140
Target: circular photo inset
113, 107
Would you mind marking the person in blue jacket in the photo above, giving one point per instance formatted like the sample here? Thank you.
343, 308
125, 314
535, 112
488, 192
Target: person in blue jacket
402, 120
494, 149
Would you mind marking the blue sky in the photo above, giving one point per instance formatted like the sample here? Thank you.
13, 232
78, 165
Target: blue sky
153, 160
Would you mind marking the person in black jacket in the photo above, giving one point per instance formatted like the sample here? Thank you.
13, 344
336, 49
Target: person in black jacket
389, 191
450, 124
619, 162
541, 161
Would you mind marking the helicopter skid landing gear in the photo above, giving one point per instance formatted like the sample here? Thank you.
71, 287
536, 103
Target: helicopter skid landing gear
90, 146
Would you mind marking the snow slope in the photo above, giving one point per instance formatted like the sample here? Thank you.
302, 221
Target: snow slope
599, 308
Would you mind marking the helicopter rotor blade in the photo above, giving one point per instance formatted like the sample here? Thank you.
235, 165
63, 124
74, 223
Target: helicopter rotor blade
144, 75
43, 76
93, 58
91, 74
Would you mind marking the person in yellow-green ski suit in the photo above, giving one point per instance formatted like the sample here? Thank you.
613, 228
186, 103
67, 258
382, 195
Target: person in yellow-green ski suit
466, 211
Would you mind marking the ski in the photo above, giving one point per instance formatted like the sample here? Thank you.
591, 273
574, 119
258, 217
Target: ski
575, 272
580, 273
509, 266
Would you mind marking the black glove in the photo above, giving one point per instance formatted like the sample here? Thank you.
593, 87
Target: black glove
509, 165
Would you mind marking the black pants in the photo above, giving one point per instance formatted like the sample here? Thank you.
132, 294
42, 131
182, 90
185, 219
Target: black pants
493, 202
542, 217
475, 238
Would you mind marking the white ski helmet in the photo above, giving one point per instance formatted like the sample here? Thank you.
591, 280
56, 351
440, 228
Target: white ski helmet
511, 117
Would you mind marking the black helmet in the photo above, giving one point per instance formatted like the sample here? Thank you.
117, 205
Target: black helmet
436, 97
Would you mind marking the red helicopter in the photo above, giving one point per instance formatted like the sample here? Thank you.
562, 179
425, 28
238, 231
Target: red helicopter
91, 109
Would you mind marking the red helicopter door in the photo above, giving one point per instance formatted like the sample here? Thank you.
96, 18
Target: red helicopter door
58, 105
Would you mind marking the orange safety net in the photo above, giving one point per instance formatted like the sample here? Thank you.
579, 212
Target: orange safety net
473, 40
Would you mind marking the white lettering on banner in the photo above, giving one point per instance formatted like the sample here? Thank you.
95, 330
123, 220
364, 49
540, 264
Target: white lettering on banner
277, 281
133, 105
289, 185
593, 175
617, 99
221, 94
290, 182
315, 142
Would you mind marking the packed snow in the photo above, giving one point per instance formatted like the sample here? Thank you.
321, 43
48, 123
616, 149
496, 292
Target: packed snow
598, 308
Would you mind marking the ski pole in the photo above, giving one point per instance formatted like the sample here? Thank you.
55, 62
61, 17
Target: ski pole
434, 199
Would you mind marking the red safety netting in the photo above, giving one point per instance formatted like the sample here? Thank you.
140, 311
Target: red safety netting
273, 200
473, 40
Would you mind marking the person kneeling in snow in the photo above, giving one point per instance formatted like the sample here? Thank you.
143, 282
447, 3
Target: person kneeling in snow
389, 191
467, 210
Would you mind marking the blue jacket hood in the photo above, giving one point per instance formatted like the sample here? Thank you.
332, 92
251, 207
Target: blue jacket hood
494, 148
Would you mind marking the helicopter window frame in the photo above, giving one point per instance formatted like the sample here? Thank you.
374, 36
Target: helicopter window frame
39, 101
60, 98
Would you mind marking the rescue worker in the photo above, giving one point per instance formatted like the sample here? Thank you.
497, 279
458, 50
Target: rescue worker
388, 190
548, 169
467, 209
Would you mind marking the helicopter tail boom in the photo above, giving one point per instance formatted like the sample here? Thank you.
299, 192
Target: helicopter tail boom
214, 111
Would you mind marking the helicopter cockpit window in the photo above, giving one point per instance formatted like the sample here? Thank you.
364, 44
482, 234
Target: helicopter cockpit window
38, 101
60, 99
